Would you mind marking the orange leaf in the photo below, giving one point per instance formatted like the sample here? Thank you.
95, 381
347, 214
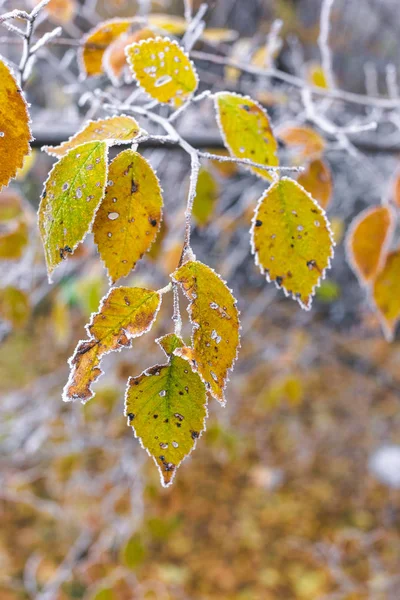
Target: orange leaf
114, 60
163, 70
15, 133
367, 241
386, 294
317, 179
97, 41
308, 142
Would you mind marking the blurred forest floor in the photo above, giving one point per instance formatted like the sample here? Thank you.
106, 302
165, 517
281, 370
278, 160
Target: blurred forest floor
277, 501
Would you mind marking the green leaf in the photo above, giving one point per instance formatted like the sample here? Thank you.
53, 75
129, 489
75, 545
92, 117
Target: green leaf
129, 218
125, 313
167, 407
72, 194
206, 197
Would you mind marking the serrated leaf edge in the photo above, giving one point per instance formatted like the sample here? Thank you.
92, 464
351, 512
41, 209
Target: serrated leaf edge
90, 225
129, 423
65, 396
110, 279
195, 326
272, 174
385, 247
109, 142
255, 254
81, 65
173, 43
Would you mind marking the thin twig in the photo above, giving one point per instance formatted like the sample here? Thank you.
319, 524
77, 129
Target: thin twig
323, 42
272, 73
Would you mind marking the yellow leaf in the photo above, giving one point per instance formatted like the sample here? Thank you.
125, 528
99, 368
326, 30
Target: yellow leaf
304, 139
292, 240
213, 312
219, 35
10, 205
72, 194
13, 242
96, 42
261, 57
206, 197
367, 241
129, 217
157, 246
113, 130
14, 306
15, 133
337, 226
246, 131
169, 23
317, 180
60, 320
163, 70
125, 313
114, 60
316, 75
386, 294
167, 407
28, 163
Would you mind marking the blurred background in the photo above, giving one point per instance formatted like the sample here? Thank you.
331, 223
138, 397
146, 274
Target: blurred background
293, 491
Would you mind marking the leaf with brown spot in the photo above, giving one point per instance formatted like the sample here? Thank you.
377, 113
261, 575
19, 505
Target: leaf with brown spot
317, 180
113, 130
15, 133
124, 314
386, 294
292, 240
129, 217
215, 318
247, 131
166, 407
367, 241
